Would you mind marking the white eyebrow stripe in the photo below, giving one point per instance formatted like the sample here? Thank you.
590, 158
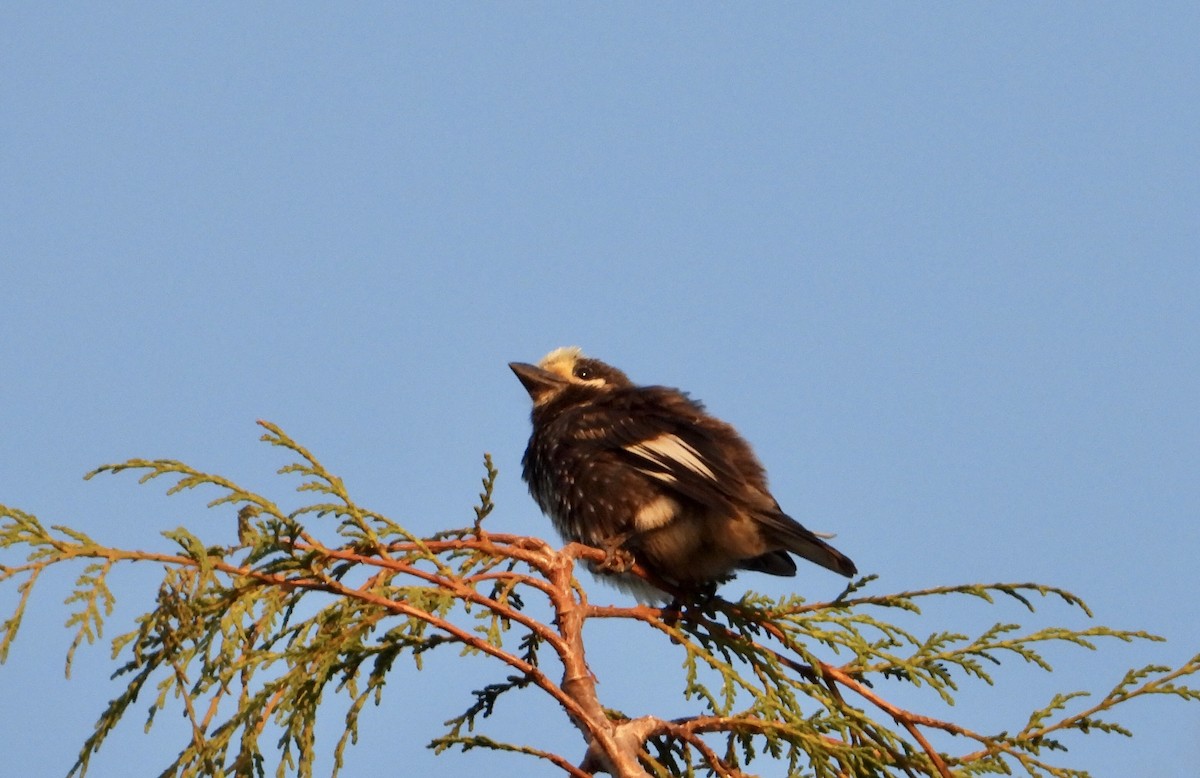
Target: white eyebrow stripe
671, 448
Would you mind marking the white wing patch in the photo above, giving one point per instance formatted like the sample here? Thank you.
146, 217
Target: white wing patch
655, 514
667, 449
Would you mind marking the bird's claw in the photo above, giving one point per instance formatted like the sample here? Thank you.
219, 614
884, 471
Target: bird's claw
616, 561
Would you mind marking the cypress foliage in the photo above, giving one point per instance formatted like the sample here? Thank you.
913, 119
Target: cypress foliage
307, 611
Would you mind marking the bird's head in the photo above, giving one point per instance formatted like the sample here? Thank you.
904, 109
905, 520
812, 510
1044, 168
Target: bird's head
563, 368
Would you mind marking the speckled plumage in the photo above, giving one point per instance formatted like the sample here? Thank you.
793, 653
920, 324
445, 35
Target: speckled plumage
648, 470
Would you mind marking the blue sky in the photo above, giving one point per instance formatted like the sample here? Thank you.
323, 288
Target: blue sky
940, 264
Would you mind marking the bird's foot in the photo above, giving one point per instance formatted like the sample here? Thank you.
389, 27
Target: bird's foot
704, 594
693, 602
617, 558
616, 561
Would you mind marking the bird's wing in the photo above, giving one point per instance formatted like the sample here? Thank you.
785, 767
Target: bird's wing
687, 460
681, 456
663, 441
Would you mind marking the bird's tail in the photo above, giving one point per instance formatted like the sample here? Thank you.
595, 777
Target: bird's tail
825, 555
803, 542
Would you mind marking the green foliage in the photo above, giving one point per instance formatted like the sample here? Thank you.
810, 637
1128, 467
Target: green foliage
309, 610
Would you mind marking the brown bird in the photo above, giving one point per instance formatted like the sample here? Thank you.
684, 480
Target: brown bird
644, 471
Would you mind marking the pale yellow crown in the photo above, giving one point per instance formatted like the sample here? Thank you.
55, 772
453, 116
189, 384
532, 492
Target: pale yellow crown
561, 361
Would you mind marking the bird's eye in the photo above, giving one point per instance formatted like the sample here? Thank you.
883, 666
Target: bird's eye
583, 372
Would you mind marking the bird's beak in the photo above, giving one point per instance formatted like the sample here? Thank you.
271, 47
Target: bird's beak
539, 383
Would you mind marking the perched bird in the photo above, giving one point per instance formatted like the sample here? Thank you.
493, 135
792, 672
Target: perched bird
643, 471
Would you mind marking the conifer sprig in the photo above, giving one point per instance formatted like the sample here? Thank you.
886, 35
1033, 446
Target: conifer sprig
307, 611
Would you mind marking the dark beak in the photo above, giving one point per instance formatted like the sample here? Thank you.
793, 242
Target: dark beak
536, 381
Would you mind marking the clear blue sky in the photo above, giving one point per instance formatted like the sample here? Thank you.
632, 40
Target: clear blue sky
940, 264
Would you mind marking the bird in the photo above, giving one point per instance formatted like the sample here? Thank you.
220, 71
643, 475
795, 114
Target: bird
647, 475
